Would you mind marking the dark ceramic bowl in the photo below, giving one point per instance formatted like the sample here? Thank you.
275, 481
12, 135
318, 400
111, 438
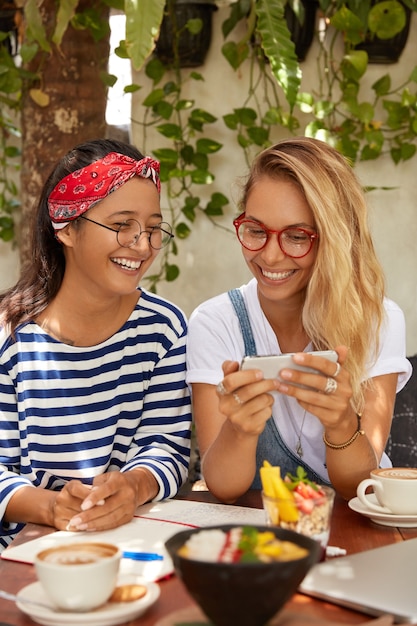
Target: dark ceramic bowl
242, 594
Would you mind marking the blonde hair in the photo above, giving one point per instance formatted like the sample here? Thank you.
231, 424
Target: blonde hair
344, 298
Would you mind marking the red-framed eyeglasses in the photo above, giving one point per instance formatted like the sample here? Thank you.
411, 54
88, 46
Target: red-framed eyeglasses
295, 242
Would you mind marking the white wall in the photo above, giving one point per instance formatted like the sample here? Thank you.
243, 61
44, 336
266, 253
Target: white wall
9, 265
210, 260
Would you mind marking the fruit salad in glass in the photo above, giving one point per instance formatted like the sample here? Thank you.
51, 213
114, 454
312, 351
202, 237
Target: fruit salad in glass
297, 503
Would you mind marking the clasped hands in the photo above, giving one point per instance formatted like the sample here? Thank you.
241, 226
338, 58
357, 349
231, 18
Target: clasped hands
245, 397
108, 503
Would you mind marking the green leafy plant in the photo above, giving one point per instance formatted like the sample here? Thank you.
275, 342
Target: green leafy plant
9, 193
10, 88
384, 122
184, 156
186, 145
186, 148
335, 111
266, 37
14, 78
274, 71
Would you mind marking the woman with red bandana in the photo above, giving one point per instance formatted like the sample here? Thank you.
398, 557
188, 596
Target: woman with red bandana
94, 408
317, 286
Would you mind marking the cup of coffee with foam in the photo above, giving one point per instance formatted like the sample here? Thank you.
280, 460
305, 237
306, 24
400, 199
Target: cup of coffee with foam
78, 576
395, 489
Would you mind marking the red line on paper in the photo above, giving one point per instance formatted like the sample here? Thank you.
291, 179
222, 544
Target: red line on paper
168, 521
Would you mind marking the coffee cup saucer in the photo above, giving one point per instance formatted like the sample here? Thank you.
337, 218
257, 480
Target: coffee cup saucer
385, 519
110, 614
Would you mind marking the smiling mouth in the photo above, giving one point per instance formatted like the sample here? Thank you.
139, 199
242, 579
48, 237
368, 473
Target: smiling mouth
127, 264
277, 275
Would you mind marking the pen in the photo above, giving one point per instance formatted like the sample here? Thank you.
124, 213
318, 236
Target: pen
142, 556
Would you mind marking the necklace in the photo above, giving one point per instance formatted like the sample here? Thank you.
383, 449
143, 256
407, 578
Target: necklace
298, 446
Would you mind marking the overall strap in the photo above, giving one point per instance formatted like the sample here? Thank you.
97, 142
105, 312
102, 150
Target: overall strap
243, 317
270, 445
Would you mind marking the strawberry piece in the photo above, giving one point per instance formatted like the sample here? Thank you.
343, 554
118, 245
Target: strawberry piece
305, 497
305, 491
306, 506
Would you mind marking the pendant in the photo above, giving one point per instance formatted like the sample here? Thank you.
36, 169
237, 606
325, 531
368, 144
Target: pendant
299, 449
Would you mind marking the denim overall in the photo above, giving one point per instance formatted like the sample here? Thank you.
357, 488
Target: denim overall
271, 446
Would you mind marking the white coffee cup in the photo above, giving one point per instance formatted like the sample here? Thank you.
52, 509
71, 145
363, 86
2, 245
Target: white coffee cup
395, 489
78, 576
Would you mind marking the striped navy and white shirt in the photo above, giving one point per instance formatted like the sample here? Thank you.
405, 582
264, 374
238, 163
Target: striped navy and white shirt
71, 412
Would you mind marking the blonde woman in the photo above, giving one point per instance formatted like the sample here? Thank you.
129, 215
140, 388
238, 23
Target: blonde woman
317, 285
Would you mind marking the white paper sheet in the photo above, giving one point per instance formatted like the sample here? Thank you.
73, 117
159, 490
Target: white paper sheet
201, 513
152, 525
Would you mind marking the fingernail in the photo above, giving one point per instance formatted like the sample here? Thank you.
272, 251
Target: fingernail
88, 504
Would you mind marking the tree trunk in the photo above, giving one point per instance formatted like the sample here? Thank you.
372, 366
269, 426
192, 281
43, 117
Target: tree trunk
70, 77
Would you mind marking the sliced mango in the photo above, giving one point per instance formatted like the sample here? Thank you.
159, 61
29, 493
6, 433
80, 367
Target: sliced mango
284, 507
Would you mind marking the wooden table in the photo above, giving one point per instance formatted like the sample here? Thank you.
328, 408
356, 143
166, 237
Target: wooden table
349, 530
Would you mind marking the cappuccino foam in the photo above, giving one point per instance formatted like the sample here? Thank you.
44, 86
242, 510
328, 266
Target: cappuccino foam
405, 473
80, 554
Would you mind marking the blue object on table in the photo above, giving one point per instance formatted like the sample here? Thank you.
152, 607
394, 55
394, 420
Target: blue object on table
142, 556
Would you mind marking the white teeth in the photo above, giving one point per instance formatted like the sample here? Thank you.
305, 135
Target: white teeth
132, 265
277, 275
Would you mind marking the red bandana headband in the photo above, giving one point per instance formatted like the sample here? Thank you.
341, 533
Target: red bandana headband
82, 189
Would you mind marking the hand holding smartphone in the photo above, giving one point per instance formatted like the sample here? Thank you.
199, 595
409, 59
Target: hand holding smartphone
271, 365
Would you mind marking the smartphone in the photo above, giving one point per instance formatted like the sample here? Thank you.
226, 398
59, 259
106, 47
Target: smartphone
271, 365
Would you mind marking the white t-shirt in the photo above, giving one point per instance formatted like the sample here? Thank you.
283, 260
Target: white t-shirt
214, 336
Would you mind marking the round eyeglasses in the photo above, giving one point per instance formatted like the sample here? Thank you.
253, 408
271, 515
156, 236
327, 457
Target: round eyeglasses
294, 242
128, 233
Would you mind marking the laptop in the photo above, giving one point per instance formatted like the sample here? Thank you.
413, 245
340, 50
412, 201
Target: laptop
376, 582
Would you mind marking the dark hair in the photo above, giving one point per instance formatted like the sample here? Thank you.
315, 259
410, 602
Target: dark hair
42, 277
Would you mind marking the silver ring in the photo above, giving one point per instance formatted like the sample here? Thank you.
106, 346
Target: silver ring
331, 386
221, 390
238, 400
338, 366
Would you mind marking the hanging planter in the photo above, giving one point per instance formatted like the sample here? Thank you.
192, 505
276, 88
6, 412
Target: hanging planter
8, 24
302, 33
382, 48
182, 37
